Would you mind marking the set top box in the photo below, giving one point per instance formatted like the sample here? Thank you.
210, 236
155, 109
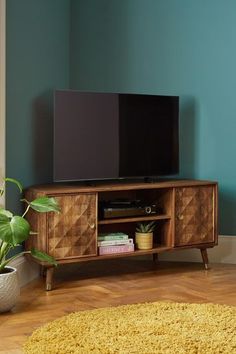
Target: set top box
125, 208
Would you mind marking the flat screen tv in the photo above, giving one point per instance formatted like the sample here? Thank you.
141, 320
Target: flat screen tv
99, 136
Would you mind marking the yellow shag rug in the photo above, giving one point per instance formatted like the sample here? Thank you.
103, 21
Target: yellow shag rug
148, 328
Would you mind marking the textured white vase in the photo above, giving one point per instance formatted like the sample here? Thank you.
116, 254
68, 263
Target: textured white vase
9, 289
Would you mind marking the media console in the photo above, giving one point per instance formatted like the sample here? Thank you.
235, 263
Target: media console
186, 217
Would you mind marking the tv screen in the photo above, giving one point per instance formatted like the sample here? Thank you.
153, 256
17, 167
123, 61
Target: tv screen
101, 136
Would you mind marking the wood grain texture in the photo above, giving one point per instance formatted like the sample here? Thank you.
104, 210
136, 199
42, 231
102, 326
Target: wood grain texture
94, 285
72, 233
194, 215
53, 189
187, 217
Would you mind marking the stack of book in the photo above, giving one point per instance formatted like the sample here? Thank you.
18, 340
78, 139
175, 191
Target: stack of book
117, 242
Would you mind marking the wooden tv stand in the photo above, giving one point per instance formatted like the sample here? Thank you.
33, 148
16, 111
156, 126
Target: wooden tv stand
187, 218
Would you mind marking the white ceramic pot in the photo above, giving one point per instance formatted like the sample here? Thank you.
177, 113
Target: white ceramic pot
9, 289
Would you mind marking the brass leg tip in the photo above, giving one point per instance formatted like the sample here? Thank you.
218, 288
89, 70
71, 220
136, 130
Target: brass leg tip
206, 266
48, 287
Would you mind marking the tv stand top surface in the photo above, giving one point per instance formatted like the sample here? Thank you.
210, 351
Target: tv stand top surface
58, 188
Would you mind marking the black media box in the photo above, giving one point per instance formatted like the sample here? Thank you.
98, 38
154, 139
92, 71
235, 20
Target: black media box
120, 209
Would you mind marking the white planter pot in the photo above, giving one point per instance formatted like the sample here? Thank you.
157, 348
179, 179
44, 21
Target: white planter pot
9, 289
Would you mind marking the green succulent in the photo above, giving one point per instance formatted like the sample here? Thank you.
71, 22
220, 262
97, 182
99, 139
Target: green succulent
14, 229
146, 227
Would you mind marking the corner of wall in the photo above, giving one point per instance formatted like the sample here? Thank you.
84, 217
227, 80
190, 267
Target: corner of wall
2, 89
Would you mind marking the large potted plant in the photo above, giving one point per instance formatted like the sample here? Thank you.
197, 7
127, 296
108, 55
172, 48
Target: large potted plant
14, 230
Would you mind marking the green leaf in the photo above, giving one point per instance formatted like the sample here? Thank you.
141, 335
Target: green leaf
5, 212
146, 227
3, 218
151, 226
45, 204
15, 230
13, 180
43, 256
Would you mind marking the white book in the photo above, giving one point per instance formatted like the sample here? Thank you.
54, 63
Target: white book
115, 242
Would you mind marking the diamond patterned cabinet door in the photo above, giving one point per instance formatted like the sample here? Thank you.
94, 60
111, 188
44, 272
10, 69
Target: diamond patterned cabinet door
72, 233
194, 215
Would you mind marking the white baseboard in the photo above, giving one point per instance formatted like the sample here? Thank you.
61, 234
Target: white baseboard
27, 271
225, 252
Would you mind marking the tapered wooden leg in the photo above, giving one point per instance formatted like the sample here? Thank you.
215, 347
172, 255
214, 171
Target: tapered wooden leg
205, 257
42, 271
49, 277
155, 257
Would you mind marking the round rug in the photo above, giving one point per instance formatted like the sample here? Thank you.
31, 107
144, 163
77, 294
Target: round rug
148, 328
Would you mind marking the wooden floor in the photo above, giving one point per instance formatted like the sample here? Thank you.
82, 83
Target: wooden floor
111, 283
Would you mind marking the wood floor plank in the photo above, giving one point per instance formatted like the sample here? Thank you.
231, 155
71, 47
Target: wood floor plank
112, 283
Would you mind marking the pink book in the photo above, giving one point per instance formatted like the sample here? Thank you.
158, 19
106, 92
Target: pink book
115, 249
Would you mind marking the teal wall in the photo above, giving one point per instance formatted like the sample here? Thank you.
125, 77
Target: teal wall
37, 61
173, 47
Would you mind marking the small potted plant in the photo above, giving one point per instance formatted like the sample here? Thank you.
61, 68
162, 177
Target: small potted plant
144, 235
14, 230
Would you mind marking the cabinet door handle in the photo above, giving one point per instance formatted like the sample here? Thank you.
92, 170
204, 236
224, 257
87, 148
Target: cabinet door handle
92, 225
180, 217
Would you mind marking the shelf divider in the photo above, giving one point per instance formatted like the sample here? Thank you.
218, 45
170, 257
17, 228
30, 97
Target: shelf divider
134, 219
